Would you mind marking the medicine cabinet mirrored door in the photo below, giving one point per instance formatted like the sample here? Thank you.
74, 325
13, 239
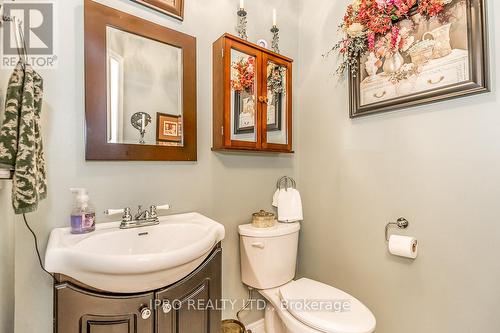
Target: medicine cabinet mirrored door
252, 97
278, 103
244, 96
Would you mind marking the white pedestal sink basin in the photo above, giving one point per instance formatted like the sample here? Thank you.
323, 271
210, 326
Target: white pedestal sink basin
134, 260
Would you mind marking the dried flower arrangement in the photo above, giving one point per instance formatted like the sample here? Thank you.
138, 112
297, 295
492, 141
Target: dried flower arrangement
395, 41
276, 78
368, 21
243, 75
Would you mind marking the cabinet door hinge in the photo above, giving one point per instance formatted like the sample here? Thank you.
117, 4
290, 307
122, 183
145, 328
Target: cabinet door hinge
222, 130
222, 53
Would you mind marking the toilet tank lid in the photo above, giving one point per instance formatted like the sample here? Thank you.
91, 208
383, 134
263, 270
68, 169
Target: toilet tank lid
280, 229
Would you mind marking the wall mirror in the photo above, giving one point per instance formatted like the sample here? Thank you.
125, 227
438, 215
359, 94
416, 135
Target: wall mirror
140, 88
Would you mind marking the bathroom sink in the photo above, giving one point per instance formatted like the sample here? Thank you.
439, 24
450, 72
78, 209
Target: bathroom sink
134, 260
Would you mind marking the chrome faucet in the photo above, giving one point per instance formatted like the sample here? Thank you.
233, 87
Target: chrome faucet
143, 218
142, 215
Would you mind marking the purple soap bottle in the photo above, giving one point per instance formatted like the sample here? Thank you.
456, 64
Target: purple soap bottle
83, 214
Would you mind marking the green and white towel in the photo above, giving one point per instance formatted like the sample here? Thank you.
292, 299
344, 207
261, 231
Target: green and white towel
21, 146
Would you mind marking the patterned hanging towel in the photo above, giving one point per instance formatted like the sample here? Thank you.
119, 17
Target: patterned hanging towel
21, 146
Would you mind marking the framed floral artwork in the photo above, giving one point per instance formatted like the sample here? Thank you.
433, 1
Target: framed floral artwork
174, 8
405, 53
168, 128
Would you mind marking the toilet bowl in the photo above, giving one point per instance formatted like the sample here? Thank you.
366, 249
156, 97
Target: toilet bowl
268, 263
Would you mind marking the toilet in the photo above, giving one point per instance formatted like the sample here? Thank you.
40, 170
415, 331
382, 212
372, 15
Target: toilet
268, 263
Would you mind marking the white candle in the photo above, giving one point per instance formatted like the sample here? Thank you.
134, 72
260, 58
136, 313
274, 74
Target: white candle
143, 122
274, 17
242, 4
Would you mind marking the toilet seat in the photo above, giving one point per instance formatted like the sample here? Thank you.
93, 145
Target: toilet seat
358, 320
325, 308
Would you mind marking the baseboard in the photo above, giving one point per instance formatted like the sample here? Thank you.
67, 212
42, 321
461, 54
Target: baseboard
256, 327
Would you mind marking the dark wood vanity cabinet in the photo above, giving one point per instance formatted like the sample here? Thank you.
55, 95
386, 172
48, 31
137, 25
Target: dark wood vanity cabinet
82, 311
191, 305
252, 97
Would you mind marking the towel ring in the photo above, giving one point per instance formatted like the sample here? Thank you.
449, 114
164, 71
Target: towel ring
286, 183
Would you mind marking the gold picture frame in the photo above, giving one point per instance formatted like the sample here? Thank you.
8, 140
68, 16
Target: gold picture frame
173, 8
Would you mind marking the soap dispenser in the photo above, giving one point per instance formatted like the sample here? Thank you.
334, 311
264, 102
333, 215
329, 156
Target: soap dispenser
83, 214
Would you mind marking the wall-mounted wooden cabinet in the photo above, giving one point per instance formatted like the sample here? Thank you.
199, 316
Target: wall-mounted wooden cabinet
252, 97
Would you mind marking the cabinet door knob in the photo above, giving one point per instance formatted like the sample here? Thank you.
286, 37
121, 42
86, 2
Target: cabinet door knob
145, 312
262, 99
166, 307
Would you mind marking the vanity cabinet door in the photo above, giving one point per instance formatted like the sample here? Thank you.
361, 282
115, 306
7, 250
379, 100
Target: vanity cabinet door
81, 311
193, 304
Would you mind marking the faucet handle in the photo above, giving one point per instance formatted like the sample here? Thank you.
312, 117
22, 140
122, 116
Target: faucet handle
164, 207
110, 212
127, 217
153, 210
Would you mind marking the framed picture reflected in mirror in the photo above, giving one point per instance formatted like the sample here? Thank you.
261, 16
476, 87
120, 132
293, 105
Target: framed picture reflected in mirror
274, 111
169, 128
244, 112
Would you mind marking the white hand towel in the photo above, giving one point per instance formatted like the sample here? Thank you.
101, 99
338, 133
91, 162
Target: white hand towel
275, 198
289, 206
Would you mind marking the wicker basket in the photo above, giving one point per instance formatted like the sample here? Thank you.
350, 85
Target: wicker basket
421, 52
263, 219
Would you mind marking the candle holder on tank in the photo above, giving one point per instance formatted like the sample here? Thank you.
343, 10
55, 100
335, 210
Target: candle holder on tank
275, 44
241, 28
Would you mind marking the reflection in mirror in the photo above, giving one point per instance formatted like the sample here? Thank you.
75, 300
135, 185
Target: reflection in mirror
144, 90
276, 104
243, 96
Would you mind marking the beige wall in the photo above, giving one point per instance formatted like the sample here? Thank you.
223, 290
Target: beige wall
437, 165
6, 248
6, 260
226, 187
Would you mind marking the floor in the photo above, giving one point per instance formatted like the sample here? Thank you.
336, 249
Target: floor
257, 327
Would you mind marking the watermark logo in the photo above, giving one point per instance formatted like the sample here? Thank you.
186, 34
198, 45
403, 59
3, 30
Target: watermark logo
35, 21
295, 305
317, 305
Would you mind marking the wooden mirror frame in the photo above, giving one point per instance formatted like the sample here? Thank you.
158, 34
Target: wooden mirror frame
97, 18
176, 11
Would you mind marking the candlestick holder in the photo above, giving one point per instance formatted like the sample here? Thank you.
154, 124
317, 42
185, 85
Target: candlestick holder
140, 120
241, 28
275, 45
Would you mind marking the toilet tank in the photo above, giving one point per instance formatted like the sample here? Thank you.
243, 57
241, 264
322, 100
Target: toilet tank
268, 255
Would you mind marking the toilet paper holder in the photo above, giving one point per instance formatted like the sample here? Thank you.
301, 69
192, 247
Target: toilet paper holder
401, 223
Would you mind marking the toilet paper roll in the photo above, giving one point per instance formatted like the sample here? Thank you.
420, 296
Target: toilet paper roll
403, 246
